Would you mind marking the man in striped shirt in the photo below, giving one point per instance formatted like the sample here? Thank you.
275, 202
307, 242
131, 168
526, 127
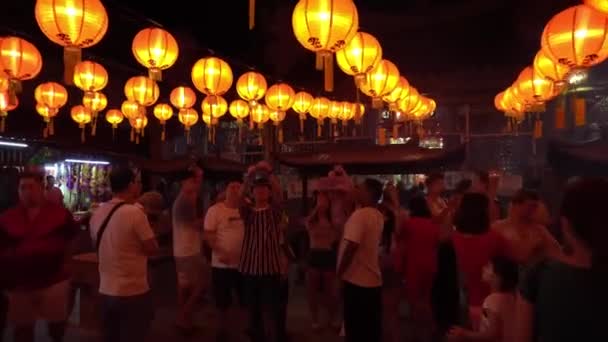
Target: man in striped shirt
264, 256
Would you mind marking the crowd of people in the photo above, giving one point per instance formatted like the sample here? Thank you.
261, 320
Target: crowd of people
463, 272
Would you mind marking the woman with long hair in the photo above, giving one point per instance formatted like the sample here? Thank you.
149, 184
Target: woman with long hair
321, 272
562, 297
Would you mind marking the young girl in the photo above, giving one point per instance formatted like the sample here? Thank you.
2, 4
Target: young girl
498, 309
321, 273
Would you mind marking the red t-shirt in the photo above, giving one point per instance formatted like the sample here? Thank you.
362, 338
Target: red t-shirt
473, 252
419, 240
33, 253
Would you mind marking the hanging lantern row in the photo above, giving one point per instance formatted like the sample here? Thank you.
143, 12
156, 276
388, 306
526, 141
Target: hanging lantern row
574, 39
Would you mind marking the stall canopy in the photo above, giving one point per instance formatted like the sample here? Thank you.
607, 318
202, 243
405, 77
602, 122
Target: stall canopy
214, 166
374, 159
589, 158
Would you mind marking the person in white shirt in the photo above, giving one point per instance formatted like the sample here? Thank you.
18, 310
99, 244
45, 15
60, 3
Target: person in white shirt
359, 267
224, 231
124, 240
187, 242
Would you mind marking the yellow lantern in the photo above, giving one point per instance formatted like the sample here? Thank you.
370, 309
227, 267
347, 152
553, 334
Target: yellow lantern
260, 114
549, 69
19, 61
215, 106
408, 104
361, 55
499, 102
188, 117
277, 116
82, 116
163, 112
90, 76
132, 109
114, 117
212, 76
6, 105
380, 81
52, 95
156, 49
319, 109
577, 37
401, 91
251, 87
142, 90
348, 111
600, 5
335, 111
239, 110
47, 114
534, 87
72, 24
511, 102
301, 105
280, 97
182, 97
138, 125
95, 101
324, 27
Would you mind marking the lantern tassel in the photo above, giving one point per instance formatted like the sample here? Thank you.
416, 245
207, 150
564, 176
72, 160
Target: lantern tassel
251, 122
251, 14
113, 133
280, 135
377, 103
162, 134
302, 121
137, 139
319, 128
261, 142
132, 134
188, 136
71, 57
82, 134
155, 74
319, 61
328, 69
45, 131
2, 122
209, 137
51, 127
14, 88
240, 133
94, 125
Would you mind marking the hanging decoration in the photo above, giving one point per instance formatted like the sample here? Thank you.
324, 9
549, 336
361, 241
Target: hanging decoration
380, 82
600, 5
6, 106
251, 87
163, 112
82, 116
20, 60
399, 92
324, 27
239, 109
75, 25
90, 76
212, 76
138, 126
155, 49
47, 116
215, 107
280, 97
319, 109
182, 97
260, 114
188, 117
95, 102
143, 90
360, 56
277, 117
534, 88
114, 117
301, 105
50, 97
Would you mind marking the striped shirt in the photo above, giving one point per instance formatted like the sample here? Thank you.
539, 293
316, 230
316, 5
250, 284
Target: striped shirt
262, 243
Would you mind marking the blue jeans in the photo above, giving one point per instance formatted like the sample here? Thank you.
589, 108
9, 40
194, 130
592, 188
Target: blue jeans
126, 319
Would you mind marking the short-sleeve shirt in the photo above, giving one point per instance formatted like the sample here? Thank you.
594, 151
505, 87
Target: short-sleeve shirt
229, 231
263, 241
187, 235
364, 227
567, 302
123, 264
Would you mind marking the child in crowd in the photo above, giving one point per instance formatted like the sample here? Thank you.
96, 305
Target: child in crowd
498, 309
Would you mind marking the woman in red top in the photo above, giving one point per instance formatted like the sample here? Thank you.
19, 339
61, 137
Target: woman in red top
417, 259
475, 245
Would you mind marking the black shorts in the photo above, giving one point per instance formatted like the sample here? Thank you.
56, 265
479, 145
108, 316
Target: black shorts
227, 283
322, 259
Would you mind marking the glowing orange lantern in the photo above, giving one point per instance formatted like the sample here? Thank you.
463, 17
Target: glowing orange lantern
82, 116
577, 37
277, 116
361, 55
114, 117
324, 27
408, 104
260, 114
188, 117
132, 109
301, 105
90, 76
52, 95
239, 110
142, 90
380, 81
72, 24
251, 87
163, 112
138, 126
600, 5
95, 101
19, 61
182, 97
47, 116
212, 76
6, 106
319, 109
534, 87
156, 49
215, 106
280, 97
401, 91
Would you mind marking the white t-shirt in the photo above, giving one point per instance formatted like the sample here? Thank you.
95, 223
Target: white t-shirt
229, 231
123, 264
187, 235
364, 227
503, 306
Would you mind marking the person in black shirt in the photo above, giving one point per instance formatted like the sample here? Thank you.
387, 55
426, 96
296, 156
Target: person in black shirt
563, 299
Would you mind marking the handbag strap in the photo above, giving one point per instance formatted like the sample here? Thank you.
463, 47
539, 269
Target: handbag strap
103, 226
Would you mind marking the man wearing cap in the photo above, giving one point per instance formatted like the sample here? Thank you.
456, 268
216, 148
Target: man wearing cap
265, 253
